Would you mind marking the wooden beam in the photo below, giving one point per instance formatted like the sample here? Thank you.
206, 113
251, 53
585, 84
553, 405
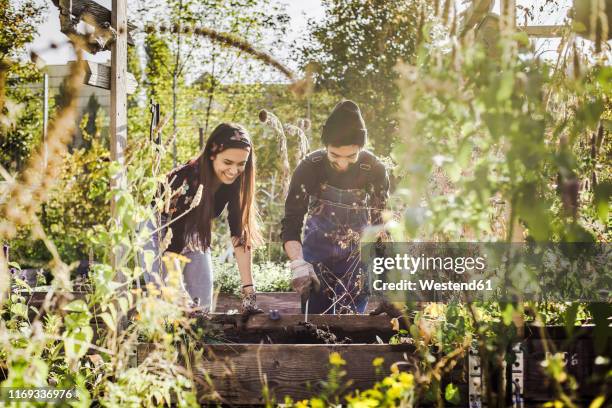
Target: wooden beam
578, 355
271, 328
543, 31
118, 102
284, 302
99, 75
91, 13
296, 370
347, 323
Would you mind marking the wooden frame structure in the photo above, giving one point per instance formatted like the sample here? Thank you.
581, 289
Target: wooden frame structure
118, 92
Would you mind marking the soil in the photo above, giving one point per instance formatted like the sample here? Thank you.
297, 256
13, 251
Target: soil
309, 333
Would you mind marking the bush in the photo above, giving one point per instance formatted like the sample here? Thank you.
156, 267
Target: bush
268, 277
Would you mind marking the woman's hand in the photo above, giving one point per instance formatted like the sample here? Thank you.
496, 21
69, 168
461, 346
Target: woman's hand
249, 302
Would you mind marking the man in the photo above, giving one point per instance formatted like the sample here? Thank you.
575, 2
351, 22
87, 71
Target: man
341, 189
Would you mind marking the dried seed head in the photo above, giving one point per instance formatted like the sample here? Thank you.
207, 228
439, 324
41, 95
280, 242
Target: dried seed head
304, 124
263, 116
197, 198
166, 241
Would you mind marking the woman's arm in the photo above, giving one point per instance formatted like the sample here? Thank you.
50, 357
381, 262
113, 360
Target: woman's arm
244, 260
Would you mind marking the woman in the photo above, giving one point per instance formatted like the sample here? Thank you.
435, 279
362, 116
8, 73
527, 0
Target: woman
223, 175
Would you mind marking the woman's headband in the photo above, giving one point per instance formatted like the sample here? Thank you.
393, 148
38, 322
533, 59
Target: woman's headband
236, 139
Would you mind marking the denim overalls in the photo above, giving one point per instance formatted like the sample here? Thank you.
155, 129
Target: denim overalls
335, 221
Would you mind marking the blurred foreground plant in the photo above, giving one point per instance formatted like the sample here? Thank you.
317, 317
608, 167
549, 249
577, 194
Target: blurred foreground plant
499, 145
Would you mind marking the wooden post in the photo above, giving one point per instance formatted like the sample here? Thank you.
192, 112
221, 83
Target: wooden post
543, 31
118, 102
508, 12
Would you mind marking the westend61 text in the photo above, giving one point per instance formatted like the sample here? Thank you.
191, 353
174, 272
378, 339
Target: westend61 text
412, 264
429, 284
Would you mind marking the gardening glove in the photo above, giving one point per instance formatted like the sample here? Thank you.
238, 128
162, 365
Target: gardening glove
249, 305
304, 278
388, 308
383, 245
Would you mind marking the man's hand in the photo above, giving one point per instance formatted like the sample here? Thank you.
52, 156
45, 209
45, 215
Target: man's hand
304, 277
383, 245
388, 308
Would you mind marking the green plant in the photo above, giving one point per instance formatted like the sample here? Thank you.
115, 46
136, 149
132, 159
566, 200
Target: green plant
501, 146
268, 277
396, 389
353, 52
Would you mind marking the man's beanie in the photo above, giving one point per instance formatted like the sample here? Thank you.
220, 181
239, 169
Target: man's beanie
344, 126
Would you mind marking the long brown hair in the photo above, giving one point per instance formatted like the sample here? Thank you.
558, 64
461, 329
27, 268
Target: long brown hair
216, 143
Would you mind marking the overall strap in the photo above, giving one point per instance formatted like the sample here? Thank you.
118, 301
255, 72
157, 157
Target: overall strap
317, 158
365, 176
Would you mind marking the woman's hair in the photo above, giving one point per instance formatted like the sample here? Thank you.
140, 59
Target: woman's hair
226, 136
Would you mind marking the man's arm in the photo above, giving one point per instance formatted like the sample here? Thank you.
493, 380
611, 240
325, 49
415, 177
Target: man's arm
294, 250
296, 207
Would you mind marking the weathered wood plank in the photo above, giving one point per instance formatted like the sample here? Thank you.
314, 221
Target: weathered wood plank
238, 372
543, 31
118, 114
579, 357
284, 302
88, 9
99, 75
36, 299
290, 328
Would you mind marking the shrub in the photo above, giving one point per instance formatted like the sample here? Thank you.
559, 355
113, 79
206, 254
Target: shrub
268, 277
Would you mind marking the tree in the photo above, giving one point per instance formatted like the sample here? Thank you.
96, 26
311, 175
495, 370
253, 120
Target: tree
176, 59
354, 51
20, 111
17, 26
158, 60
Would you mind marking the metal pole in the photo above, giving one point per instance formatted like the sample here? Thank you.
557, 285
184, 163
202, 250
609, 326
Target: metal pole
309, 131
45, 115
174, 153
175, 83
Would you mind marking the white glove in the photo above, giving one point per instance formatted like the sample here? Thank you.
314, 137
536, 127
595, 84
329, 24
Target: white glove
304, 277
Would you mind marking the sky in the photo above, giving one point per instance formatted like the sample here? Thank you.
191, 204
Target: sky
298, 10
49, 31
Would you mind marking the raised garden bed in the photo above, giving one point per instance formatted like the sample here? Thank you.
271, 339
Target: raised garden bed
284, 302
239, 371
280, 351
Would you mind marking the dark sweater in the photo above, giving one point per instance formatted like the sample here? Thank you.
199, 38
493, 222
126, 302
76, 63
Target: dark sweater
368, 174
186, 177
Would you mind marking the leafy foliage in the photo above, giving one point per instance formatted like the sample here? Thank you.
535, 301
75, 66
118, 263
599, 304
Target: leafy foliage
495, 146
78, 203
499, 145
21, 122
270, 277
353, 53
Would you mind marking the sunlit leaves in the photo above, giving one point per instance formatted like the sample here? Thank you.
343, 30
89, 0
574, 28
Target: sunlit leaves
356, 48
